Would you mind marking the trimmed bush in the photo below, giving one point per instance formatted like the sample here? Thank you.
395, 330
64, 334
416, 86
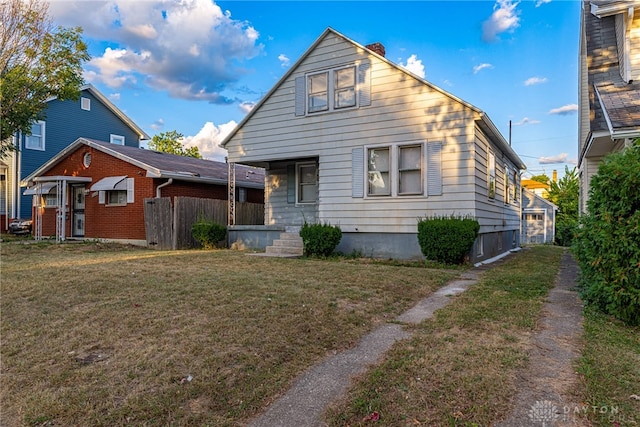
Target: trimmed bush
607, 243
208, 233
447, 239
320, 239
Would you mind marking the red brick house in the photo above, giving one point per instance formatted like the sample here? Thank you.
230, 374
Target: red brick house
96, 190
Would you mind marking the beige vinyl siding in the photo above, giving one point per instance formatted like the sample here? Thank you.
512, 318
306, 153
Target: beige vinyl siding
403, 111
620, 26
492, 213
634, 45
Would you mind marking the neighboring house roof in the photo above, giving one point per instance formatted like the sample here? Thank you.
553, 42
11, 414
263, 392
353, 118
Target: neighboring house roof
538, 199
484, 121
163, 165
533, 184
614, 103
111, 106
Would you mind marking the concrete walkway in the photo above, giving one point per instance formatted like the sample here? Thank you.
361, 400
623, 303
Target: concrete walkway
547, 387
304, 404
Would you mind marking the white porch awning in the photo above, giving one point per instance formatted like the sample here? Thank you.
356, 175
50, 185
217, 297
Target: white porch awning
44, 188
110, 183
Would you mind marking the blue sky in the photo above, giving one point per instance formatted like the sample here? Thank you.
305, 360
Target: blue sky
198, 66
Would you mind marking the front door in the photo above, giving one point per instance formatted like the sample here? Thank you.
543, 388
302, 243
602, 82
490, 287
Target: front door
77, 215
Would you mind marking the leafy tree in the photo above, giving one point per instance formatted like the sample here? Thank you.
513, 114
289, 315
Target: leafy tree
171, 142
565, 194
37, 62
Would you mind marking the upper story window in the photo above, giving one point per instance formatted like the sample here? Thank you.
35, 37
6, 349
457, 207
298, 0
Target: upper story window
331, 90
35, 141
85, 103
116, 139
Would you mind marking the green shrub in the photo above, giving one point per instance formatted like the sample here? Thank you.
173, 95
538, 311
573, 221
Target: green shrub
320, 239
447, 239
566, 229
607, 243
208, 233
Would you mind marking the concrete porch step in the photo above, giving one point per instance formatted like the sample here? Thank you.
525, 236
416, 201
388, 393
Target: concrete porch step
289, 244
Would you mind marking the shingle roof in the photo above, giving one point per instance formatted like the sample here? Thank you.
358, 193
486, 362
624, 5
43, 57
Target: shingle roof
620, 100
164, 165
170, 164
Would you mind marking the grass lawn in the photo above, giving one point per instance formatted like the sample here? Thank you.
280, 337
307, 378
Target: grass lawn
107, 335
610, 365
460, 367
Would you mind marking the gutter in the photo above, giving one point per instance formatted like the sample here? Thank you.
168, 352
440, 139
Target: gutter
159, 187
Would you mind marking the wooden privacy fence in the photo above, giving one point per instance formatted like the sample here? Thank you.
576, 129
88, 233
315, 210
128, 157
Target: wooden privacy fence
169, 227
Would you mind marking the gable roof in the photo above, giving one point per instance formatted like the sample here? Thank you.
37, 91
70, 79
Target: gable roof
162, 165
614, 103
485, 123
111, 106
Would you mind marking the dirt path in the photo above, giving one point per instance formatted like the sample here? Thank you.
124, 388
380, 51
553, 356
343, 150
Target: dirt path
548, 388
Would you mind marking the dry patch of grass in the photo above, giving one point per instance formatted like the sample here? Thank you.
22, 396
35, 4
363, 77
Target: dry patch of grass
610, 365
106, 335
459, 369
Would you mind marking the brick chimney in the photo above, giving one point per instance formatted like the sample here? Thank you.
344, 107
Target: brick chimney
377, 48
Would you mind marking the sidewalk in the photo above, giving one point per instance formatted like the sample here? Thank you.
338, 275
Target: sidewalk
547, 387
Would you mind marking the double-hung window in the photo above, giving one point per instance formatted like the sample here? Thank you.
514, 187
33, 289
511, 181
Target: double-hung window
395, 170
344, 88
307, 183
410, 169
116, 197
491, 175
379, 171
331, 90
35, 141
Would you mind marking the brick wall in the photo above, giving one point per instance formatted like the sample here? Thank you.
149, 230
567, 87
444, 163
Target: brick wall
122, 222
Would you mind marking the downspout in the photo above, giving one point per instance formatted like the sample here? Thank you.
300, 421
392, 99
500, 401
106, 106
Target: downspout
159, 187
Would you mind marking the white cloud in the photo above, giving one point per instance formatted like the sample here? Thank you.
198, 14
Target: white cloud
208, 140
541, 2
504, 18
535, 81
284, 60
481, 67
527, 121
559, 158
114, 97
414, 65
191, 48
565, 110
448, 83
247, 106
158, 124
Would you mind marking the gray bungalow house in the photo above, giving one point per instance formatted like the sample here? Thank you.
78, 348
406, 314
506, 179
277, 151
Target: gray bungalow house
349, 138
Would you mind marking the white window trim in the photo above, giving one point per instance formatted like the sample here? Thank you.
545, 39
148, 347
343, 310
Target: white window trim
114, 139
85, 103
491, 159
394, 172
43, 126
331, 79
298, 166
